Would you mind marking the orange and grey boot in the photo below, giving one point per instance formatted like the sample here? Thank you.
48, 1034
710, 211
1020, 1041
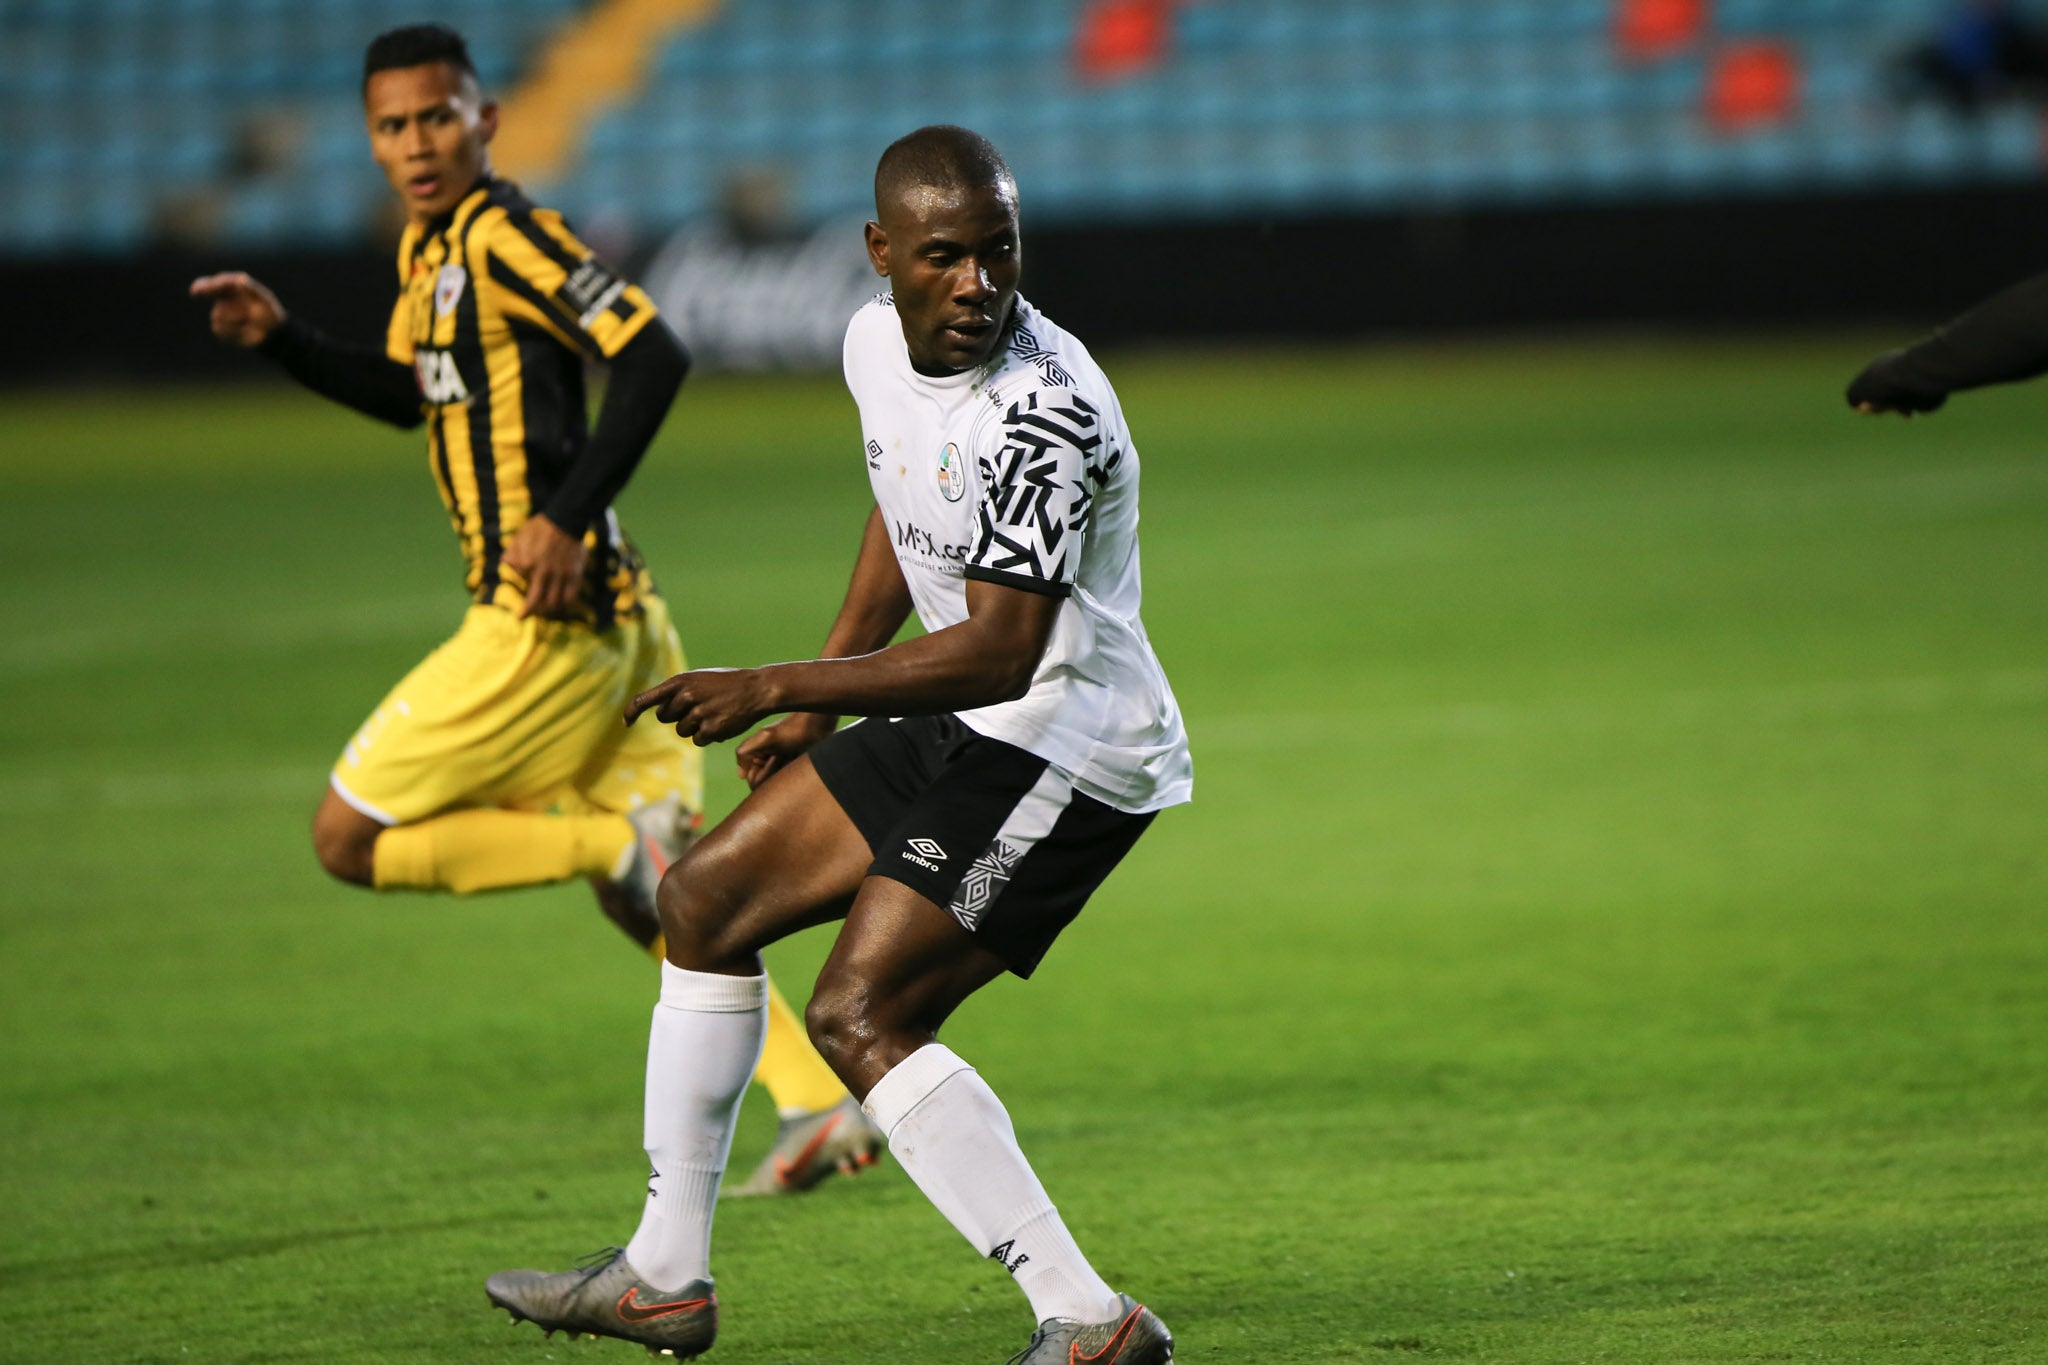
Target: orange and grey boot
1135, 1336
603, 1297
811, 1147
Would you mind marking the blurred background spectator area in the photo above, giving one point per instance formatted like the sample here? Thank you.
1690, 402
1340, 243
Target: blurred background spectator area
129, 123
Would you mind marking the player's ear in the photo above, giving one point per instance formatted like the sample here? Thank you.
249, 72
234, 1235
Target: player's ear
878, 249
487, 120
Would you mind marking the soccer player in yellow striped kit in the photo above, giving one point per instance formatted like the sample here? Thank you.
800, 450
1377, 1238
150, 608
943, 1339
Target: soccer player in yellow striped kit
501, 759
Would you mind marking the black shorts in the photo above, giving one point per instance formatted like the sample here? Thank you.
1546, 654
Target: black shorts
994, 834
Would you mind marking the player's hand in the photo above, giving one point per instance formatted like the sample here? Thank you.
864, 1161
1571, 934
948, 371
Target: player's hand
709, 704
552, 563
769, 751
244, 313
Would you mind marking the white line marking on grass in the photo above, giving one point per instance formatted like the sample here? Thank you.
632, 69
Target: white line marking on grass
213, 789
243, 635
1864, 697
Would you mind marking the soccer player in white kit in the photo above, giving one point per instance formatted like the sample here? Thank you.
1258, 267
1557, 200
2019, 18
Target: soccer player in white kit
1015, 753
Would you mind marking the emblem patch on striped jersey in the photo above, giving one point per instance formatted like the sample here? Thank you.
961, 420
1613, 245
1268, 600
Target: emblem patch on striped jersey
448, 287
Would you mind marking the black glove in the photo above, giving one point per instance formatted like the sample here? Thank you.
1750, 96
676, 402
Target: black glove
2003, 339
1881, 385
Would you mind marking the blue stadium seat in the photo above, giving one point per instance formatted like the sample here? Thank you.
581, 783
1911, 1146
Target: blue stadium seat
1257, 106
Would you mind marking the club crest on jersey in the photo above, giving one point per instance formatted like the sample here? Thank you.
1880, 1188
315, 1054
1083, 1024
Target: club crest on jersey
448, 286
952, 473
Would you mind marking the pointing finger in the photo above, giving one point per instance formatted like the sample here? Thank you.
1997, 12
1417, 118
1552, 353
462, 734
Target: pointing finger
650, 697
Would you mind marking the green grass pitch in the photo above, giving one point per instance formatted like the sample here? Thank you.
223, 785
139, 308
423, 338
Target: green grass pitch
1610, 927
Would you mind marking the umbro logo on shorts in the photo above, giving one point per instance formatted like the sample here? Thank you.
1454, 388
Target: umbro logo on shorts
926, 853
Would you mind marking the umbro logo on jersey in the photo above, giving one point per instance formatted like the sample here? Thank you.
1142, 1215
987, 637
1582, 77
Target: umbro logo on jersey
926, 853
874, 454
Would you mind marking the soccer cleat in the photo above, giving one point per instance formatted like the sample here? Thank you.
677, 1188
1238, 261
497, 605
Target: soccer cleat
662, 832
603, 1297
811, 1147
1135, 1336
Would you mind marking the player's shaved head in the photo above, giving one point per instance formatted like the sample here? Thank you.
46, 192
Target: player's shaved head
945, 237
941, 157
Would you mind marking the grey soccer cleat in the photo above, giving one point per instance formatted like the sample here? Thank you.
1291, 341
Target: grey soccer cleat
605, 1298
662, 832
811, 1147
1135, 1336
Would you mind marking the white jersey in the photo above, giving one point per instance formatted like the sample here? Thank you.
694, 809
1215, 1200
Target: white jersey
1021, 472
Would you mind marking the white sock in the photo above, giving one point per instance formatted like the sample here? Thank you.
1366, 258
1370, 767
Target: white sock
702, 1048
951, 1133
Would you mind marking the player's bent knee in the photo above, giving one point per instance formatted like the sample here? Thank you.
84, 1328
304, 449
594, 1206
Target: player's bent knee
682, 917
858, 1036
832, 1019
697, 917
345, 853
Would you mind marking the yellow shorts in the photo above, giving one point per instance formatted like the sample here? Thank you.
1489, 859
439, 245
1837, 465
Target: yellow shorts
524, 715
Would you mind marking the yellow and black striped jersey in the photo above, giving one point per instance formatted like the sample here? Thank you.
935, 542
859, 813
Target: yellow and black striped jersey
499, 306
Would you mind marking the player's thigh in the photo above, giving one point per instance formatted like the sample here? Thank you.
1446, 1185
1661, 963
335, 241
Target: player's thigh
787, 857
505, 713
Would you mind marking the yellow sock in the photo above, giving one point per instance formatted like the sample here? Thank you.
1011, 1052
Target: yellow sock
796, 1076
488, 850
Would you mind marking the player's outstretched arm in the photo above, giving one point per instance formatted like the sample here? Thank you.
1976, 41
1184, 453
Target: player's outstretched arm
246, 313
876, 606
985, 659
2001, 340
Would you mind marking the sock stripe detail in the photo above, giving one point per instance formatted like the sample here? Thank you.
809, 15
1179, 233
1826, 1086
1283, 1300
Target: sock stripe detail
710, 993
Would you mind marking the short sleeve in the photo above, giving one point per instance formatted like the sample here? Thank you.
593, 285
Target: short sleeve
1035, 493
551, 278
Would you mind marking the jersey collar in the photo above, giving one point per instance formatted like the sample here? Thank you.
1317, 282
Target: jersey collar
463, 209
